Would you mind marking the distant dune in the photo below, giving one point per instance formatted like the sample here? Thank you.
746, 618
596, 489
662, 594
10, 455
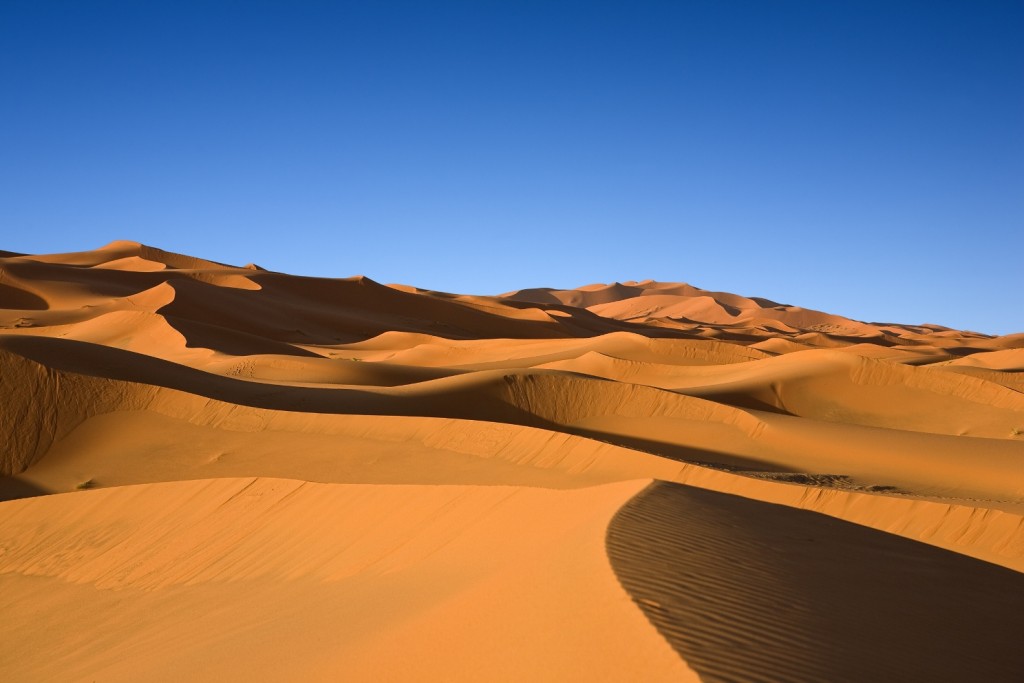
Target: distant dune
224, 473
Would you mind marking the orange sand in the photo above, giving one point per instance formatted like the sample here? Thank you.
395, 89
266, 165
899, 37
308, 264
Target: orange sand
270, 477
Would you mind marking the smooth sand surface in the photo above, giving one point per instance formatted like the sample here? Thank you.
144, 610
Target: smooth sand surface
225, 473
245, 579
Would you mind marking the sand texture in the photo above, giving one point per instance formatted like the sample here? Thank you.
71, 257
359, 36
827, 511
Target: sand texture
220, 473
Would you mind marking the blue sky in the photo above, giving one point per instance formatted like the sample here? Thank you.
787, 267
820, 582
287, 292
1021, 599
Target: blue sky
865, 158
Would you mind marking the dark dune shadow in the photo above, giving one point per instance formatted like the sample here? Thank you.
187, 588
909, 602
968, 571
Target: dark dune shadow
678, 452
534, 296
964, 351
324, 311
12, 488
737, 399
750, 591
230, 341
21, 300
767, 303
295, 310
99, 282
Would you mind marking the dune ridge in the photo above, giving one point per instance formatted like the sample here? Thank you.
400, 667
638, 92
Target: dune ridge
620, 482
731, 584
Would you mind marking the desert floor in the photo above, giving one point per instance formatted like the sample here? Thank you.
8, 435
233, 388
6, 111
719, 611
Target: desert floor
224, 473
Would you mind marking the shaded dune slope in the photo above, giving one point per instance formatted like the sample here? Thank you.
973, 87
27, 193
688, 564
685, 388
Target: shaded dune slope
749, 591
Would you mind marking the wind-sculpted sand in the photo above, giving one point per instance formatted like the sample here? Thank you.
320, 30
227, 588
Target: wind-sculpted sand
225, 473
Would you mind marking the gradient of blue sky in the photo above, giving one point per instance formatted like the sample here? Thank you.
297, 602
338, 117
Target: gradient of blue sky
866, 158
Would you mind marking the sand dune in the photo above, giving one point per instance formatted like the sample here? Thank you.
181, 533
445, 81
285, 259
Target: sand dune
749, 319
441, 574
258, 475
767, 576
833, 387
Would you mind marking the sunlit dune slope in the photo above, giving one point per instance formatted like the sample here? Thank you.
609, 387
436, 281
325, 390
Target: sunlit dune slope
245, 579
260, 475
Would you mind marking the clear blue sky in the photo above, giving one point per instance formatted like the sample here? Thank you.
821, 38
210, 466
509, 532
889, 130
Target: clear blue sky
866, 158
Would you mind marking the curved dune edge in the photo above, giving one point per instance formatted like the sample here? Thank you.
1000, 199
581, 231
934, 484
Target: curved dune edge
994, 536
250, 579
104, 451
835, 387
528, 455
749, 591
978, 470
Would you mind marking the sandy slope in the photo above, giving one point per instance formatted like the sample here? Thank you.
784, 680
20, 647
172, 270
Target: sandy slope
241, 579
781, 582
303, 478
